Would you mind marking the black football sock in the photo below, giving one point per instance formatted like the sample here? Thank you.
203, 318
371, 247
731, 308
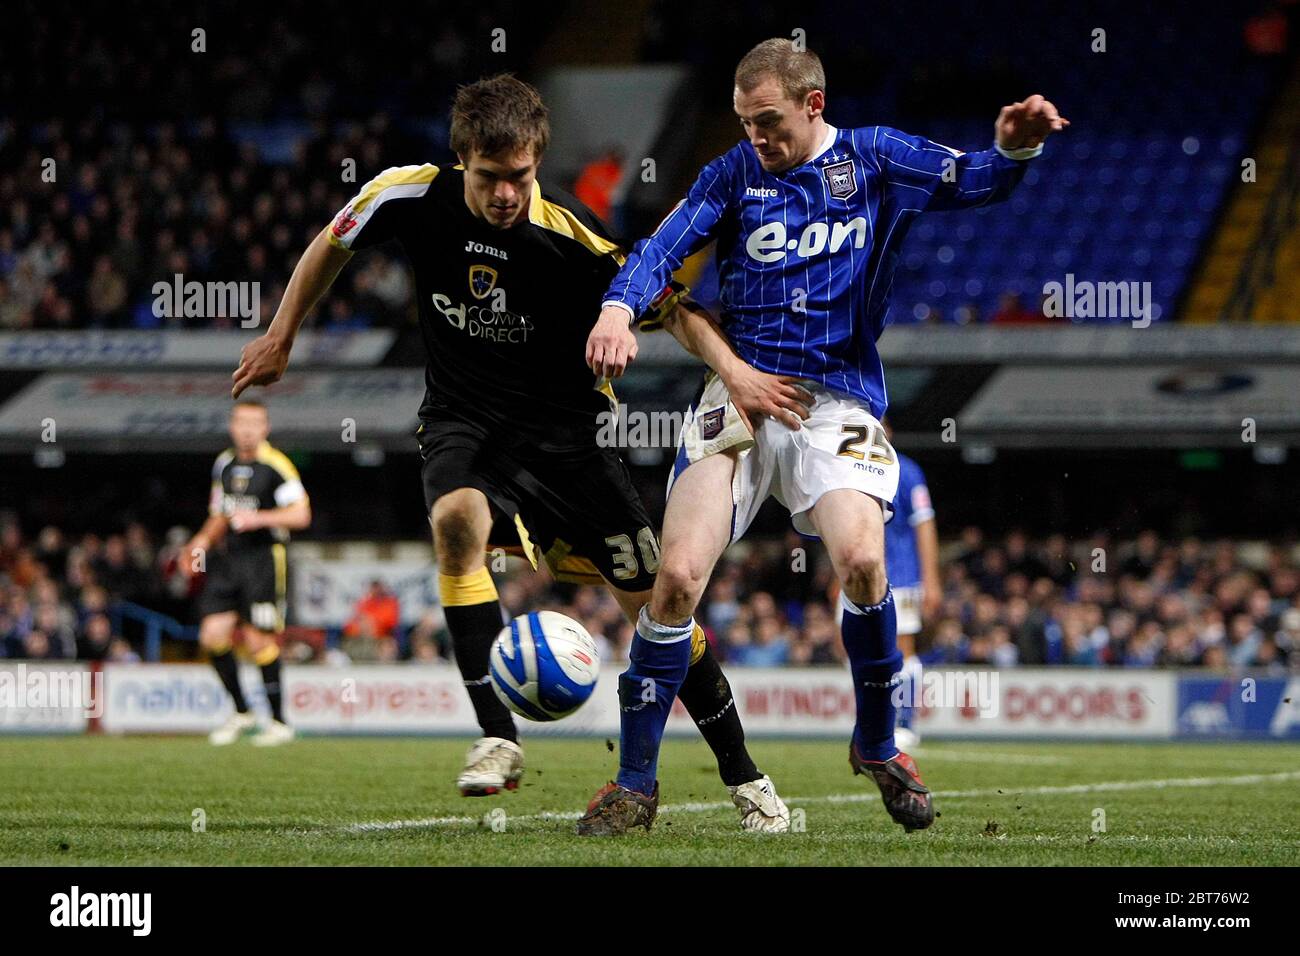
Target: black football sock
226, 668
473, 613
706, 695
271, 684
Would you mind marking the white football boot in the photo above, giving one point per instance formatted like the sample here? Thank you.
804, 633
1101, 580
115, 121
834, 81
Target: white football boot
274, 734
493, 764
761, 809
235, 727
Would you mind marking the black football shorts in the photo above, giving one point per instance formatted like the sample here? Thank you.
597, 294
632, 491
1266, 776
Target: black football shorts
249, 580
576, 510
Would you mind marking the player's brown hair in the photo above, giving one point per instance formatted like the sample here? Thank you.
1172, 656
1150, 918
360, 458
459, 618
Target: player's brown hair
499, 113
798, 71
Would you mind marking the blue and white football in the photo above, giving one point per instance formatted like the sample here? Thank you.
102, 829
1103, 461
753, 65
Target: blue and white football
544, 665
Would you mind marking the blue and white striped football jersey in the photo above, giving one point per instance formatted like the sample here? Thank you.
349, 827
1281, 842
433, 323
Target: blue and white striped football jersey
806, 258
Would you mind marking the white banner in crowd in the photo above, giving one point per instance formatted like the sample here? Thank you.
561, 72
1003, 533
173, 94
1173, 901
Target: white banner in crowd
1066, 702
141, 405
1091, 397
41, 698
188, 698
429, 699
326, 587
143, 348
170, 698
1063, 344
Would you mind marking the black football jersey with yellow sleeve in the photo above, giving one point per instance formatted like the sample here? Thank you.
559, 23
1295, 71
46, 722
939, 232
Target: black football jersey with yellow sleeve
268, 481
505, 313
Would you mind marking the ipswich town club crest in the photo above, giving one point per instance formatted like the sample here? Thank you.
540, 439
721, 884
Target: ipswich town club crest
711, 423
482, 279
840, 179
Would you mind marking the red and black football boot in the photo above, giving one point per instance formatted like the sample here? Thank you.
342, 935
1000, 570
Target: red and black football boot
906, 798
614, 810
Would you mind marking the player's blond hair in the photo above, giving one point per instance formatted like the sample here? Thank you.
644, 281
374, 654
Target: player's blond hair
499, 113
798, 71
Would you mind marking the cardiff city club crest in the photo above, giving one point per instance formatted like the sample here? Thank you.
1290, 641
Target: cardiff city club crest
840, 179
240, 476
482, 280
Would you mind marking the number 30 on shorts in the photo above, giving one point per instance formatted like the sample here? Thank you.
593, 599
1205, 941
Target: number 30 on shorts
626, 566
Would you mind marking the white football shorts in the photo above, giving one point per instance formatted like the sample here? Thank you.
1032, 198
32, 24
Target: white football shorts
841, 445
907, 605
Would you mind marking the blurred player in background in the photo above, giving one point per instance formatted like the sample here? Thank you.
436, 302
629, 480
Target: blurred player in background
912, 565
508, 274
257, 499
808, 221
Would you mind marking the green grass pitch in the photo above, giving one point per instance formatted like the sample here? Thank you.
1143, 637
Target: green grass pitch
377, 801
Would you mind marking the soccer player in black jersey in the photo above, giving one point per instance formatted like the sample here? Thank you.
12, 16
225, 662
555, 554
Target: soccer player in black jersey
509, 276
257, 499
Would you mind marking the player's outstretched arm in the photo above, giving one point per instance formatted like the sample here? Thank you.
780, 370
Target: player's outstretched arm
650, 266
263, 360
754, 393
935, 177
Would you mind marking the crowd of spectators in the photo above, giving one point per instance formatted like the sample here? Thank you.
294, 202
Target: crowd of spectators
131, 208
58, 597
1013, 601
134, 149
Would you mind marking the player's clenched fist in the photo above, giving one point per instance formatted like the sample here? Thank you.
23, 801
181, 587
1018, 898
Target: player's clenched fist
611, 346
261, 362
1027, 123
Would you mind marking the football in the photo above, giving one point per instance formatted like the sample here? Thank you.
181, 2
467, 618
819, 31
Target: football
544, 665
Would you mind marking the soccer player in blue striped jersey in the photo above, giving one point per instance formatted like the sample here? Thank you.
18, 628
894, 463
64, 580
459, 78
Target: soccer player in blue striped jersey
809, 222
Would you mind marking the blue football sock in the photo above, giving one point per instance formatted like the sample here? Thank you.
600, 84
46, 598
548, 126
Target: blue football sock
659, 659
870, 636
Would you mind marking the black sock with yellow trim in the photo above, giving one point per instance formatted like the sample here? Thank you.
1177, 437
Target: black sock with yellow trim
226, 668
269, 660
706, 695
473, 613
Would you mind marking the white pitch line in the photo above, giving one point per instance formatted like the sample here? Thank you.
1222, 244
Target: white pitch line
861, 797
922, 752
1128, 785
